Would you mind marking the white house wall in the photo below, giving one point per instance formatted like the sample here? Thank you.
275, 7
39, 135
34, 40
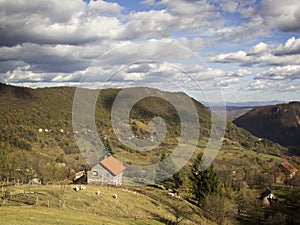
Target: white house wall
99, 175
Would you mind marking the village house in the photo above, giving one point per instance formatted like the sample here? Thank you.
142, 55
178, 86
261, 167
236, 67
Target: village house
107, 171
288, 169
267, 198
284, 172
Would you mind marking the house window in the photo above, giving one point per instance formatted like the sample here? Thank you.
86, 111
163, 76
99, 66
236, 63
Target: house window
95, 173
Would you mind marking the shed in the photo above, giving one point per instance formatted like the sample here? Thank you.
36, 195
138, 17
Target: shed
289, 169
267, 197
107, 171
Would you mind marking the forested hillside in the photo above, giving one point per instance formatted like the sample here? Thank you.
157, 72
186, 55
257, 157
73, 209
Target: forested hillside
36, 131
279, 123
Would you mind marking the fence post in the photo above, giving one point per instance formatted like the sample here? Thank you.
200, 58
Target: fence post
37, 201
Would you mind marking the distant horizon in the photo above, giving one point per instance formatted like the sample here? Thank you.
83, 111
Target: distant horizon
242, 104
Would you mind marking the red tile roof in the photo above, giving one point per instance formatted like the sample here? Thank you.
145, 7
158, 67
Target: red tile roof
289, 167
112, 165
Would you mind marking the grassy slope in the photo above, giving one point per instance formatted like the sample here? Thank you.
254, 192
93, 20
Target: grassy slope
36, 215
133, 206
53, 216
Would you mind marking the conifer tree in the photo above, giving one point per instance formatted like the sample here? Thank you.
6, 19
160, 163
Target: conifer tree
203, 182
108, 147
4, 150
168, 168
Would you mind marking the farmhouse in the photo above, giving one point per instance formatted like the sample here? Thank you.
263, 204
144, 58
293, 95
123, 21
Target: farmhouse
268, 197
289, 169
107, 171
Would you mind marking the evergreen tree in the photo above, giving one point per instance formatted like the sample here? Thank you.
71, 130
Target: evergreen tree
168, 168
203, 182
108, 147
176, 180
4, 150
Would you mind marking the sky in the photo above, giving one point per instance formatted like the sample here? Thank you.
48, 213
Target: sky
213, 50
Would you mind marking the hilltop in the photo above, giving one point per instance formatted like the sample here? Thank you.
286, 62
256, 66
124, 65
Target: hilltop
279, 123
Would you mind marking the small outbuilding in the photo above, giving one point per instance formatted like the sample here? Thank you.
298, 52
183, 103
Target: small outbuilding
288, 169
107, 171
268, 197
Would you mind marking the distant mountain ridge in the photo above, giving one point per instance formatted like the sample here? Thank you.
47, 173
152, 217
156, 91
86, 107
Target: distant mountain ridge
240, 105
279, 123
252, 104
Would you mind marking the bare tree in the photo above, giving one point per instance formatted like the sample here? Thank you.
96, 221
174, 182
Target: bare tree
181, 212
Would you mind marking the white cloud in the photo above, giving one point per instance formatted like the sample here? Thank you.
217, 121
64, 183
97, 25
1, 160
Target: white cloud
291, 72
229, 6
45, 58
148, 24
282, 14
260, 18
291, 47
230, 57
148, 2
264, 55
275, 86
172, 17
22, 74
259, 49
238, 73
226, 82
230, 78
195, 16
96, 8
56, 22
75, 22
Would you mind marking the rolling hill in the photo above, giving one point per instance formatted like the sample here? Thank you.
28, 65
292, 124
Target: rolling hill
36, 128
279, 123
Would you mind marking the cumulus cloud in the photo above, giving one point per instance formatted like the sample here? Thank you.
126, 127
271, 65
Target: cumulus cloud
75, 22
95, 8
46, 58
257, 18
260, 48
24, 74
148, 24
291, 72
193, 15
264, 85
239, 73
230, 57
282, 14
229, 6
264, 55
54, 22
229, 78
291, 47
